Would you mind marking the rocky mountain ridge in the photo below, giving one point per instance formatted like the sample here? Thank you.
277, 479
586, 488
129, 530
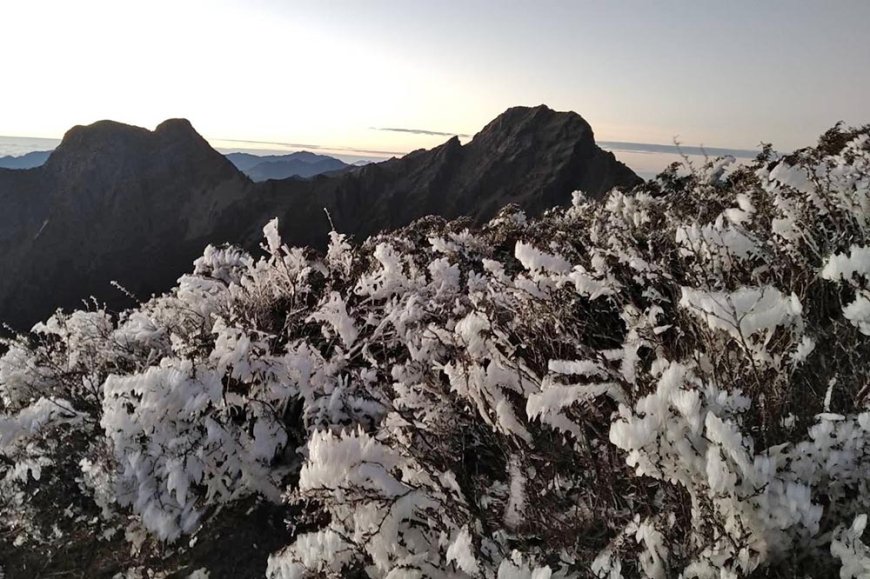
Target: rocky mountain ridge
116, 203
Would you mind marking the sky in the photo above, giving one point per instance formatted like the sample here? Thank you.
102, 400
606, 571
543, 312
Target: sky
333, 74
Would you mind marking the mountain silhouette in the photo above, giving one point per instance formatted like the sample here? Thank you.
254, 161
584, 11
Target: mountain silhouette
120, 203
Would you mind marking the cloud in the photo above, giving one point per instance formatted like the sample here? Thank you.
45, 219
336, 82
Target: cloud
274, 143
676, 149
420, 132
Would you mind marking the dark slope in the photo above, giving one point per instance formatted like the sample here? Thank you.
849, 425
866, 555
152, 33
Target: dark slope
121, 203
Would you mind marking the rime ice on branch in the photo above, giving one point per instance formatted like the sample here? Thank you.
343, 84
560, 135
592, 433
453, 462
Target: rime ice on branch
672, 381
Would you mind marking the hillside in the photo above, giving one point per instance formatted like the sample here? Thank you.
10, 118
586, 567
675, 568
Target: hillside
668, 381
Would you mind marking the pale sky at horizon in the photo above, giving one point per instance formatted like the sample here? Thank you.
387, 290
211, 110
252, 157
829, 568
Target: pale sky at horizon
726, 74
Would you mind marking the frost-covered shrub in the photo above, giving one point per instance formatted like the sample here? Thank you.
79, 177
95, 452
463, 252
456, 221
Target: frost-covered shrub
670, 381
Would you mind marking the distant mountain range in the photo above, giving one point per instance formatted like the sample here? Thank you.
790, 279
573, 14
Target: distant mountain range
120, 203
302, 164
25, 161
258, 167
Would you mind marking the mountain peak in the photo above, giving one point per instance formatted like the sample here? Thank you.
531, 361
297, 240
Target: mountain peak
177, 129
538, 109
107, 131
541, 119
110, 143
99, 131
176, 124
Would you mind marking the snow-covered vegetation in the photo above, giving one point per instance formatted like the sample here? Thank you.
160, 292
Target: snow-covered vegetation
668, 382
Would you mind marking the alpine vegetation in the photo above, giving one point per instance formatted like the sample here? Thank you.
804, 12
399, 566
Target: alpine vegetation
672, 381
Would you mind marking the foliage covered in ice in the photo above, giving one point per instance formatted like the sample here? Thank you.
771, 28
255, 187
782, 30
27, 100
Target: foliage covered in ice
669, 381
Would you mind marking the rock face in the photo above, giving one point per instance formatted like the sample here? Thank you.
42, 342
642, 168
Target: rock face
121, 203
